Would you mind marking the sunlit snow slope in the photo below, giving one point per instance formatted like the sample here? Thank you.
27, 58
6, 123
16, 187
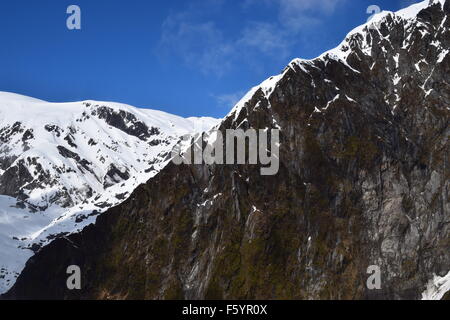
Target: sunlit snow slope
61, 164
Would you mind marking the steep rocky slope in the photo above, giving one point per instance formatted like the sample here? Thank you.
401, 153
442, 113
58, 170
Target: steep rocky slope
61, 164
363, 181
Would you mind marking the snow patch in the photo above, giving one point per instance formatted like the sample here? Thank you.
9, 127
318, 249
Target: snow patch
437, 288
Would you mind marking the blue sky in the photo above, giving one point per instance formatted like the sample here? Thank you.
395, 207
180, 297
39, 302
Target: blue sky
187, 57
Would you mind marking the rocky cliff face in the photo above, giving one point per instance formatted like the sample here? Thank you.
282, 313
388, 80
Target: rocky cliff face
363, 181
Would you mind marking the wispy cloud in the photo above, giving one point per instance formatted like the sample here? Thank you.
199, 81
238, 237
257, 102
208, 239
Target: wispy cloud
297, 14
267, 38
199, 42
194, 36
228, 100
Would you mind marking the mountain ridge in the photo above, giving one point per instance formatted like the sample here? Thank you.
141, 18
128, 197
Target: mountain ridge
64, 163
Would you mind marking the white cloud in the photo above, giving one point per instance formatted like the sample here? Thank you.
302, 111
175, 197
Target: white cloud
193, 36
199, 43
268, 38
323, 6
203, 46
229, 100
298, 14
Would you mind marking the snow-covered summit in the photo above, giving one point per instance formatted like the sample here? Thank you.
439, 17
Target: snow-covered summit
358, 36
61, 164
27, 109
14, 97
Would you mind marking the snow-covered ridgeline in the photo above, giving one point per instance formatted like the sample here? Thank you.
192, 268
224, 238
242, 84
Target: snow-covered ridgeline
61, 164
341, 52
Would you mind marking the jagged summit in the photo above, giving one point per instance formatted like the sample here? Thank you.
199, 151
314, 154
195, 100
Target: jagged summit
364, 36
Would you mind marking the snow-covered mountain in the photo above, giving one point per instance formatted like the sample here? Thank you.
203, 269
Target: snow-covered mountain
61, 164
